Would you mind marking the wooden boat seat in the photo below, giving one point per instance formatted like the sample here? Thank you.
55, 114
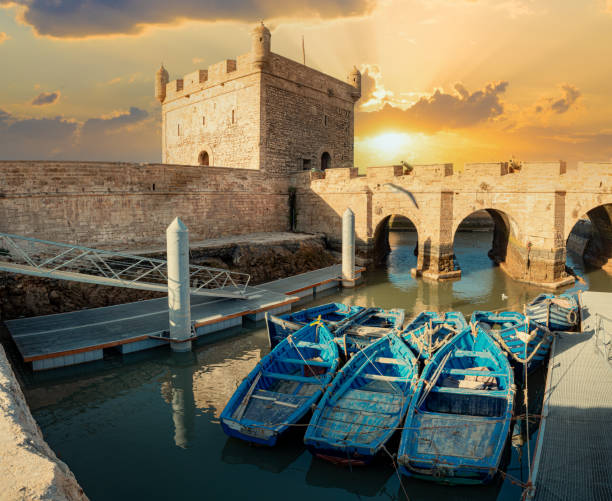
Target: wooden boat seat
275, 401
291, 377
306, 344
392, 361
379, 377
467, 353
467, 391
472, 372
314, 363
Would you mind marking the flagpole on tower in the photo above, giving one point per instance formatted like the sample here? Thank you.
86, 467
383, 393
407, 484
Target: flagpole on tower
303, 52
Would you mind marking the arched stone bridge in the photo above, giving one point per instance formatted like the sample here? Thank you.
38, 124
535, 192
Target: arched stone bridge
534, 210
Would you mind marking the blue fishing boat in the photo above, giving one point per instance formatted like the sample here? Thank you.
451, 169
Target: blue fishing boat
364, 404
282, 387
331, 314
429, 331
366, 327
459, 417
557, 313
524, 340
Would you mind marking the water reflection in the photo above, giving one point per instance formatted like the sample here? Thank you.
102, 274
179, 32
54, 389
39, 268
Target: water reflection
364, 481
178, 392
111, 426
274, 460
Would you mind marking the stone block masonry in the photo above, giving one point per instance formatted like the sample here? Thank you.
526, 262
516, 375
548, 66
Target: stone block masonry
533, 210
111, 205
260, 111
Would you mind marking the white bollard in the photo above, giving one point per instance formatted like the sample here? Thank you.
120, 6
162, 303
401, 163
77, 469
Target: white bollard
348, 249
179, 305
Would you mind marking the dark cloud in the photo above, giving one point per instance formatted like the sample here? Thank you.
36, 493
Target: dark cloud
368, 85
99, 126
46, 98
570, 96
82, 18
127, 136
440, 111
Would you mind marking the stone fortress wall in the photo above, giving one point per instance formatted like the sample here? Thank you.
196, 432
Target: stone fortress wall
259, 111
119, 206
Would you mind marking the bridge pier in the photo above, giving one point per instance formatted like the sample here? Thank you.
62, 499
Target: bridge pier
436, 261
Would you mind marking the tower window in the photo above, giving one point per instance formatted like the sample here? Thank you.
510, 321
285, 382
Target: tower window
325, 161
178, 129
233, 116
203, 121
203, 158
325, 119
306, 164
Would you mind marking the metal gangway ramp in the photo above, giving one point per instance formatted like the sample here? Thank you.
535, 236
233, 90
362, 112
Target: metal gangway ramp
42, 258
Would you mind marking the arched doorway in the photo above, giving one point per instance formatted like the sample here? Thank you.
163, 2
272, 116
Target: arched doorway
325, 161
590, 240
481, 240
203, 158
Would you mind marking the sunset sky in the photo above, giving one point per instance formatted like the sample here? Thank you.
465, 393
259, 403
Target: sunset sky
443, 80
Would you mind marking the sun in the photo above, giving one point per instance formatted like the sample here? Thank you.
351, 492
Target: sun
390, 145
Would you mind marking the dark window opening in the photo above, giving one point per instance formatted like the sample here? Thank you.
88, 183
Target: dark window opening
203, 158
325, 118
306, 164
178, 129
233, 117
325, 161
203, 121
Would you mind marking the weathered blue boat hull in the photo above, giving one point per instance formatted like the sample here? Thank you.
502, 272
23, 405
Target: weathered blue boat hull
282, 387
511, 329
557, 313
331, 314
429, 330
365, 403
458, 423
367, 327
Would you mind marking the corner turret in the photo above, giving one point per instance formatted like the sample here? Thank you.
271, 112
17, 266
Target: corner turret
161, 79
260, 45
354, 79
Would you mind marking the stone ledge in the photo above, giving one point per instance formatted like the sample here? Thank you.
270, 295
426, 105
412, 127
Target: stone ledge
551, 286
29, 469
437, 276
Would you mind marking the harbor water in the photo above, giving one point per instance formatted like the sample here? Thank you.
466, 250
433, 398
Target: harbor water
145, 426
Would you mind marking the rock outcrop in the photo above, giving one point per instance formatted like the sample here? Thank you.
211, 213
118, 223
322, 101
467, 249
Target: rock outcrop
29, 469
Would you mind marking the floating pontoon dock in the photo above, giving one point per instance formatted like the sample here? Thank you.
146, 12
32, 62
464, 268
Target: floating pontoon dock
81, 336
573, 458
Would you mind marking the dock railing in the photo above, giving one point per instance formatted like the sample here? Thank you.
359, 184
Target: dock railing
42, 258
603, 335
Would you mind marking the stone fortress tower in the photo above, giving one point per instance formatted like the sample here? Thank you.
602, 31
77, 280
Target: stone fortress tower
259, 111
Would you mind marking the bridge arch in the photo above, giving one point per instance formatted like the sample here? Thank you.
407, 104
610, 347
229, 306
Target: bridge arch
503, 227
590, 234
381, 246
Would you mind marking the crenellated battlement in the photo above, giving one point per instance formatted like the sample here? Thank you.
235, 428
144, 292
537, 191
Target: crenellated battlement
247, 113
485, 177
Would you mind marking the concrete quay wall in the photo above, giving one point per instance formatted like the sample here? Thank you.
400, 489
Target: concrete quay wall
29, 469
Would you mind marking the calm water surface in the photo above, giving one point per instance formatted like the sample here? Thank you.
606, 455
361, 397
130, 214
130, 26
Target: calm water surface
145, 426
